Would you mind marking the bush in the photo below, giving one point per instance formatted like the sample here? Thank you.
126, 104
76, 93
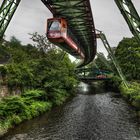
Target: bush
59, 96
11, 105
37, 95
15, 109
31, 68
37, 108
3, 71
113, 83
132, 94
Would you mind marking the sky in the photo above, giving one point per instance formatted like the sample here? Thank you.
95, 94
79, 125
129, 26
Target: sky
31, 16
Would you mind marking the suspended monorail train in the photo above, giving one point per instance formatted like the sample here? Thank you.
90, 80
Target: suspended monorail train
59, 34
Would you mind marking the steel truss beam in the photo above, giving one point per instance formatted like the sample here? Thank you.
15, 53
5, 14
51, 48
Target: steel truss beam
80, 22
107, 46
131, 16
7, 11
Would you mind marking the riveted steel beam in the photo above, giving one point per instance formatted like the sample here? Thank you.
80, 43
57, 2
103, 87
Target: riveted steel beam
107, 46
131, 16
80, 22
7, 11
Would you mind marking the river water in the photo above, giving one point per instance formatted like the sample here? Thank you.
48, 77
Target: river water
88, 116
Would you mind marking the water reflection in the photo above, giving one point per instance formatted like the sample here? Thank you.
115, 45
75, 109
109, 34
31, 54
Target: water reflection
83, 87
92, 88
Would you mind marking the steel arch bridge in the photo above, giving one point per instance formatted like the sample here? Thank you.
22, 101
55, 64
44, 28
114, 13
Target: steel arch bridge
80, 20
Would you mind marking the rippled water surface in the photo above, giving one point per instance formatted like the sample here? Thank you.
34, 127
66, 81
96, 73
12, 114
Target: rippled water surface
88, 116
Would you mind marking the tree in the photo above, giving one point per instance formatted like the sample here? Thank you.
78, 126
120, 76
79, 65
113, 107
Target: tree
128, 56
41, 42
33, 68
15, 42
101, 62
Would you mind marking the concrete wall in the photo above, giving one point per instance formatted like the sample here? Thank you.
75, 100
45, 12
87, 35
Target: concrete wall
3, 91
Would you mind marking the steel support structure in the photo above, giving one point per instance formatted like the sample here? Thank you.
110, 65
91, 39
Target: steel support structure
7, 10
91, 74
94, 70
107, 46
131, 16
78, 14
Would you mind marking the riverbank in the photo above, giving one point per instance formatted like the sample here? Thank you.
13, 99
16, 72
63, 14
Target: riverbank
90, 115
131, 93
35, 80
16, 109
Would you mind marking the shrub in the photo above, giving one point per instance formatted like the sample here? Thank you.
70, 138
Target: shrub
132, 93
37, 95
15, 109
12, 105
113, 83
58, 96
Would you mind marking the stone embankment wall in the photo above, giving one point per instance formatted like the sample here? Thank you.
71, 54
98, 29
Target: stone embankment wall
3, 91
3, 88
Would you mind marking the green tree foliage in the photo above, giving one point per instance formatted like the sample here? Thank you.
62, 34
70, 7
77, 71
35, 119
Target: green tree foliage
15, 42
33, 68
41, 42
101, 62
15, 109
43, 77
128, 56
132, 94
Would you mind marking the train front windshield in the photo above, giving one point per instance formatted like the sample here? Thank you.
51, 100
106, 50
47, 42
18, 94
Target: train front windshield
54, 26
54, 29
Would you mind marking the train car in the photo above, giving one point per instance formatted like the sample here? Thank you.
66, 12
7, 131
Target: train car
58, 34
101, 76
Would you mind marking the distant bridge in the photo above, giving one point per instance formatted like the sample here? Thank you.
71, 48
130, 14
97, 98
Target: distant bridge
92, 79
93, 74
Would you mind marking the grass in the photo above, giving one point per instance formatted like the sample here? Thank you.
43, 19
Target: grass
32, 103
132, 94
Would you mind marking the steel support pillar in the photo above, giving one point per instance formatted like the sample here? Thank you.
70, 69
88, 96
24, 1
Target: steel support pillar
7, 10
107, 46
131, 16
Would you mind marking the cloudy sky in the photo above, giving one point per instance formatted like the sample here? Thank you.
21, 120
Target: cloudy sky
31, 17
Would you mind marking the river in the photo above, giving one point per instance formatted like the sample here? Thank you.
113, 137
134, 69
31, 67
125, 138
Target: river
88, 116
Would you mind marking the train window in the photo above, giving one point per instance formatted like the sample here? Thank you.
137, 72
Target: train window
54, 26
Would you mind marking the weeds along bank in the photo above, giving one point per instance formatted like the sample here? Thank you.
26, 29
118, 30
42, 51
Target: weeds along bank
36, 82
130, 94
127, 54
15, 109
32, 103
